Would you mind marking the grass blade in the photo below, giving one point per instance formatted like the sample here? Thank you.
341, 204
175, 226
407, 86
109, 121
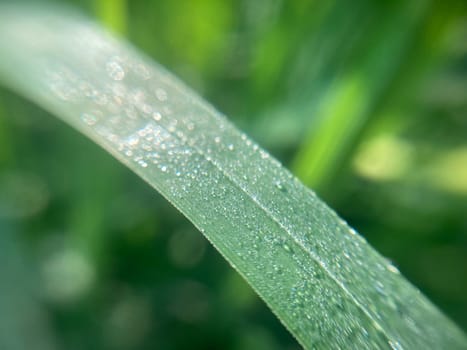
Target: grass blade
325, 283
112, 14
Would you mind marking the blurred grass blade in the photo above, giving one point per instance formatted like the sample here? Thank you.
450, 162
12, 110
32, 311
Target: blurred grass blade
348, 108
325, 283
112, 14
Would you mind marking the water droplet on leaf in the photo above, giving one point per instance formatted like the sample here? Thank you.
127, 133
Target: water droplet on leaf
89, 119
115, 70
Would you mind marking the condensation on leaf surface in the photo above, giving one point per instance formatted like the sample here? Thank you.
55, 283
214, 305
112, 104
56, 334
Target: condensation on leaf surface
321, 278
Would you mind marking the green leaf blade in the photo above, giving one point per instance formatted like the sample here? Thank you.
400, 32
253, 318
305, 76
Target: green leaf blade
325, 283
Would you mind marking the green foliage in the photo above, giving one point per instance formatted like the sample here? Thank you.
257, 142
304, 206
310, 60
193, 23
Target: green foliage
371, 95
325, 283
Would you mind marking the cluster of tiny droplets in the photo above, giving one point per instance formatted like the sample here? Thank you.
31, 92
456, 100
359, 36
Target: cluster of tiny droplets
296, 252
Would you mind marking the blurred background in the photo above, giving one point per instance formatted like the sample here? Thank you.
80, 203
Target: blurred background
365, 101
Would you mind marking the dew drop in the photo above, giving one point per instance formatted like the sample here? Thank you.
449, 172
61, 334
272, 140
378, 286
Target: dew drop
114, 105
263, 154
132, 140
277, 269
217, 139
161, 95
286, 247
115, 70
392, 268
147, 147
395, 345
190, 126
146, 108
157, 116
164, 168
379, 287
89, 119
231, 147
142, 71
279, 185
98, 98
364, 332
